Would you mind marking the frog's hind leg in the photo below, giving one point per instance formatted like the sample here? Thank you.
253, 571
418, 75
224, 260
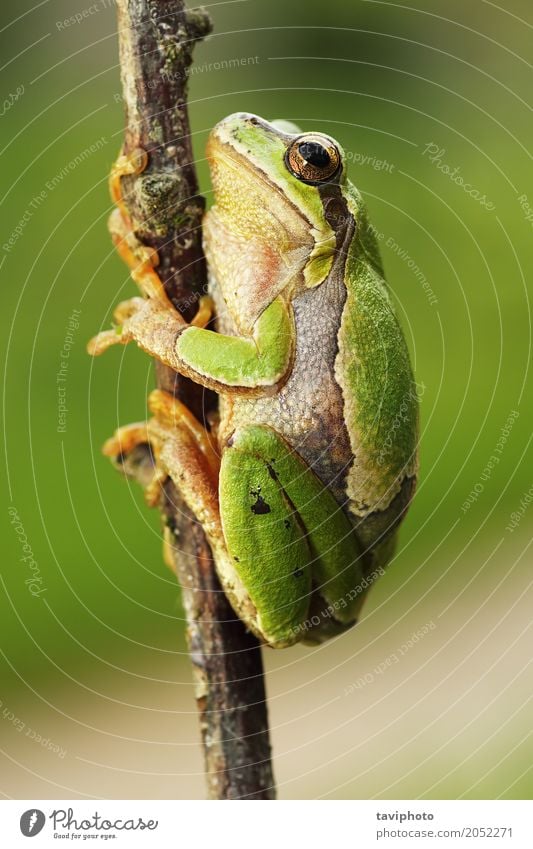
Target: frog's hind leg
186, 452
182, 450
291, 544
170, 413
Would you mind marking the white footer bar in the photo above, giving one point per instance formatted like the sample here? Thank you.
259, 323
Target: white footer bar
255, 825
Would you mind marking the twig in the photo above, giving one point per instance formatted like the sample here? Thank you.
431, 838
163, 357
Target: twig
156, 42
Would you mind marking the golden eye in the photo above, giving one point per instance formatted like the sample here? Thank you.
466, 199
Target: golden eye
313, 158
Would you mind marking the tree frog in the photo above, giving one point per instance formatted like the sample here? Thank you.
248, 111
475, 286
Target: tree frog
302, 485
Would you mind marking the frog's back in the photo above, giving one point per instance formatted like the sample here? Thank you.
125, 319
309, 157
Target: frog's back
379, 391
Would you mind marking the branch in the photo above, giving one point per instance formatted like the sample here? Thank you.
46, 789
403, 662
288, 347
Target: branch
156, 42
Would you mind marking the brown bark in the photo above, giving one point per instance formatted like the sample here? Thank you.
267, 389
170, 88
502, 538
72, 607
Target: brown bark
156, 41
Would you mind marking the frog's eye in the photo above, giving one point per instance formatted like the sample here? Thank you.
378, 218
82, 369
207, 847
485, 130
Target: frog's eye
313, 158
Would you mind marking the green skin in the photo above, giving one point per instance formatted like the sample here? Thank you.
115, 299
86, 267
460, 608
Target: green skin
319, 410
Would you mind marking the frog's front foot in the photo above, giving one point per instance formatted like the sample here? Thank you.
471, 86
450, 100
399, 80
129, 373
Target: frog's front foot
140, 258
153, 325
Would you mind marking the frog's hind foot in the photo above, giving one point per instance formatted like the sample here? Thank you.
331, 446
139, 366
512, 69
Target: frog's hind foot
182, 449
120, 449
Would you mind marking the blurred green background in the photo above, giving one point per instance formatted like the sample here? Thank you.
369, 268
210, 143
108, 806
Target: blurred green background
94, 661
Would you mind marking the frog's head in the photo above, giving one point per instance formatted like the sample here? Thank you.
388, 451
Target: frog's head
272, 189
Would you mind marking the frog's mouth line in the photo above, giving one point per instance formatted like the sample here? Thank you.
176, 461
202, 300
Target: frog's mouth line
237, 162
281, 208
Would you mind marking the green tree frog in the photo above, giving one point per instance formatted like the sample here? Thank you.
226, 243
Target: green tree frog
302, 485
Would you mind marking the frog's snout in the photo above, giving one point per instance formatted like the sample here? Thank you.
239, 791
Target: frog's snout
235, 127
